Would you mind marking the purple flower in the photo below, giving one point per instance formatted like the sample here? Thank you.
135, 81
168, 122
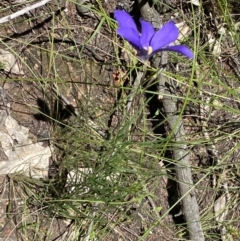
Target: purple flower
149, 42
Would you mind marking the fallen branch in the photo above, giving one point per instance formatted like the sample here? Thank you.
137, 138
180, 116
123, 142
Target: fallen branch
183, 166
180, 152
23, 11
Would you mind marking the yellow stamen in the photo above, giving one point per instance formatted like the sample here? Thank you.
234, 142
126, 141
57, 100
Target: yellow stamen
150, 50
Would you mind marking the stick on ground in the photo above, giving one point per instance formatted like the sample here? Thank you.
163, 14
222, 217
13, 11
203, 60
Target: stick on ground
182, 161
23, 11
180, 152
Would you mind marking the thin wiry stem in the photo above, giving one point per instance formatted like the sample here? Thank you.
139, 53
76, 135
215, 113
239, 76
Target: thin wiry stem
89, 122
137, 82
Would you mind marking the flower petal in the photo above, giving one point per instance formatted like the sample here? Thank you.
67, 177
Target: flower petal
164, 36
147, 33
131, 35
124, 19
182, 49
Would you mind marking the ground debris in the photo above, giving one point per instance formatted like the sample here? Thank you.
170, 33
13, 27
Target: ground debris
9, 62
22, 155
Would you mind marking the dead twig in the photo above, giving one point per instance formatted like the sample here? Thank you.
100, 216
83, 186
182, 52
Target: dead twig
181, 156
23, 11
180, 152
